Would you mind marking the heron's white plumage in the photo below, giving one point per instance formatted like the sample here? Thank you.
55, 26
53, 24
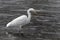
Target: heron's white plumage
21, 20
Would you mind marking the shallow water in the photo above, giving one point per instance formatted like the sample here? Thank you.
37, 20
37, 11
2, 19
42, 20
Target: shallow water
45, 25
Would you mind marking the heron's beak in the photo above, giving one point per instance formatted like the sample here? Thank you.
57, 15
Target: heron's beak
35, 12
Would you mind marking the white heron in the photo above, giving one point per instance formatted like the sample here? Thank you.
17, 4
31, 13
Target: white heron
22, 20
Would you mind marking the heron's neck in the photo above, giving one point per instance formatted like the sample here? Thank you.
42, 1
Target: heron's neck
29, 15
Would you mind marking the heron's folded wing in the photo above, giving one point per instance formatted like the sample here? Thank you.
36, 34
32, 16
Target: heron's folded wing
21, 20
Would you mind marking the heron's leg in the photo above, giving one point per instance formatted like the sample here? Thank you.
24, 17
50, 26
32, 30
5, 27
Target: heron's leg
21, 31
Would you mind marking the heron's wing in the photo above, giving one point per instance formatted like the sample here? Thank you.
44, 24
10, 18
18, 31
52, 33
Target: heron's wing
21, 20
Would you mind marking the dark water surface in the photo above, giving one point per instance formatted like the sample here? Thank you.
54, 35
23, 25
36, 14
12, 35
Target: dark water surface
43, 26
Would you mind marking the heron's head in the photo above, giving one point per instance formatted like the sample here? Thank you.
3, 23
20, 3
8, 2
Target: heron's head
32, 11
